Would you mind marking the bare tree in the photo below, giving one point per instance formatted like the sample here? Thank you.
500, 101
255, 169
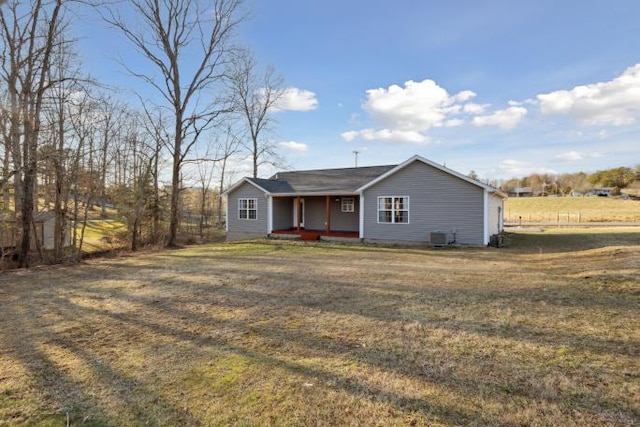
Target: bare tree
30, 33
154, 123
205, 171
5, 146
188, 42
112, 118
253, 97
229, 148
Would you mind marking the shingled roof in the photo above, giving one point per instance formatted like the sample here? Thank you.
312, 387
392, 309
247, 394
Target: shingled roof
321, 181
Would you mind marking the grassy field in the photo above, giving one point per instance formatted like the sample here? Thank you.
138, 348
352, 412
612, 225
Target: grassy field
101, 235
544, 332
571, 209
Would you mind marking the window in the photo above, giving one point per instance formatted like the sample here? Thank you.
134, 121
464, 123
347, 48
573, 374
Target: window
348, 204
393, 209
248, 208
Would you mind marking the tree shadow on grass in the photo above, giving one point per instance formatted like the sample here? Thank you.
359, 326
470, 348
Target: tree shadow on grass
167, 302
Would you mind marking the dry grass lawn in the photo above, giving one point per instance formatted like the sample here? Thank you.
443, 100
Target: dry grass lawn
571, 209
545, 332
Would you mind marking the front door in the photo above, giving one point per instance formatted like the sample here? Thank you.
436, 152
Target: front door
298, 207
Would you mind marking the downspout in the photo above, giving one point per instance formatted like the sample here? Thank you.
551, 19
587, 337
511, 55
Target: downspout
361, 228
486, 218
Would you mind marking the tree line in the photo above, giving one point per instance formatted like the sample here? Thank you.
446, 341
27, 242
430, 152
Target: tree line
576, 183
69, 144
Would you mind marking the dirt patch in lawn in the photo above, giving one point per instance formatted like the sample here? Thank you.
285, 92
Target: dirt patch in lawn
305, 333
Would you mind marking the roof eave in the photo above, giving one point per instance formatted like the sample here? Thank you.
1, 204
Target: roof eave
317, 193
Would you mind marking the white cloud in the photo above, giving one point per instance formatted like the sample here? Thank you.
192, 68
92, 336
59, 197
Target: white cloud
615, 102
570, 156
453, 123
465, 95
418, 106
406, 113
350, 135
473, 108
512, 167
505, 119
575, 156
388, 135
295, 146
294, 99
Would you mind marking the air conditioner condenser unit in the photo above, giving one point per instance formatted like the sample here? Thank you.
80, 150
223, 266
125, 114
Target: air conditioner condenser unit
442, 238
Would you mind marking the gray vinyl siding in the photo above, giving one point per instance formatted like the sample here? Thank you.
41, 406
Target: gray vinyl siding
438, 201
282, 213
240, 229
314, 213
345, 221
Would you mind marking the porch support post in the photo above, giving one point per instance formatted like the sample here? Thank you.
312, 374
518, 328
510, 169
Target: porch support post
327, 214
269, 214
298, 216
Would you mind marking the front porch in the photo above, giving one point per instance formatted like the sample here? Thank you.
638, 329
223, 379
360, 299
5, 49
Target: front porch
314, 217
303, 234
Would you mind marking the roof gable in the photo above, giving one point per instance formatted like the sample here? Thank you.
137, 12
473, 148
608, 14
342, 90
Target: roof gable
245, 180
417, 158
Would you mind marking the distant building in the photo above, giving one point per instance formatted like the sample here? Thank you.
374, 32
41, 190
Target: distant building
42, 235
602, 191
521, 192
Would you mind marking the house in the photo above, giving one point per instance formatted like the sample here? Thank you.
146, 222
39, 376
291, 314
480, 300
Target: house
417, 201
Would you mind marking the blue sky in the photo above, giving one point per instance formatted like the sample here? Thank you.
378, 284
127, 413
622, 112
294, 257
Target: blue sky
505, 88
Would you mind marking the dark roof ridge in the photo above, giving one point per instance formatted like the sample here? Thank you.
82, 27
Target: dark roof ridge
331, 169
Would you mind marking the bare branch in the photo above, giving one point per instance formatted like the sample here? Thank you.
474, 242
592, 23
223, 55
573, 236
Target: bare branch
172, 35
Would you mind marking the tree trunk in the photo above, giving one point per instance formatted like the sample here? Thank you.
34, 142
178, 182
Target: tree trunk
175, 188
26, 217
156, 197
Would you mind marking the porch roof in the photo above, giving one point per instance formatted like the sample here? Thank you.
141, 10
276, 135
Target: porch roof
324, 181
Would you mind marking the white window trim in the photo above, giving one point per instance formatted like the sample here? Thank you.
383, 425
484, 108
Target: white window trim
240, 209
393, 210
351, 205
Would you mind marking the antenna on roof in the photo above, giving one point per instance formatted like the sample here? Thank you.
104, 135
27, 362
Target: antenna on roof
356, 154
